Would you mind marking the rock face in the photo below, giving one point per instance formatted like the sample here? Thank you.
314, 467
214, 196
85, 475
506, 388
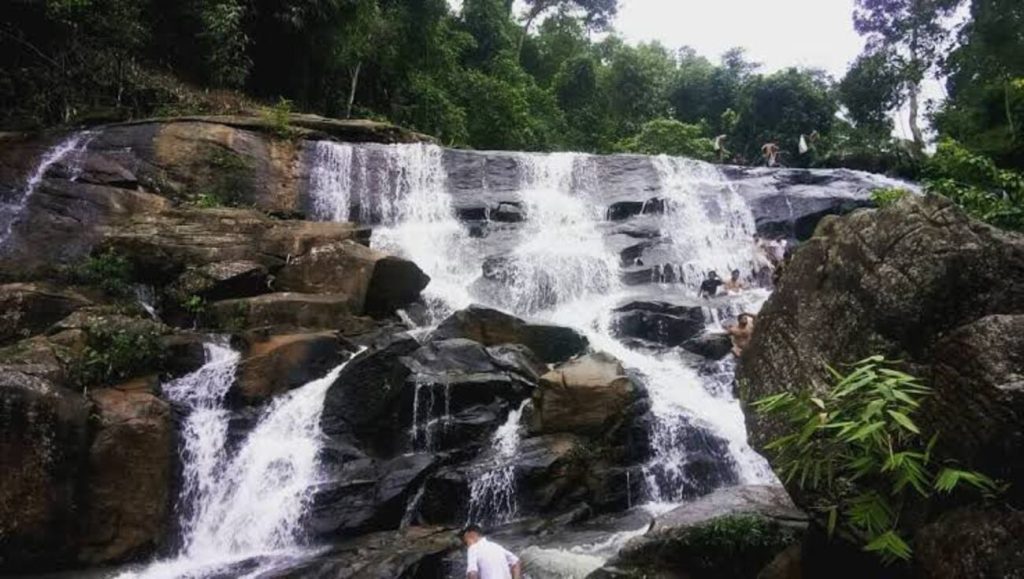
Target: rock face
918, 282
659, 322
491, 327
282, 362
732, 533
130, 461
585, 395
27, 309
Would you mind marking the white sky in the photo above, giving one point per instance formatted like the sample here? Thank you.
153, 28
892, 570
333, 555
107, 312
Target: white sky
776, 33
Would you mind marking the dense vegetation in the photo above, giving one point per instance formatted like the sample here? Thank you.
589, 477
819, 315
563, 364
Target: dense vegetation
535, 75
857, 447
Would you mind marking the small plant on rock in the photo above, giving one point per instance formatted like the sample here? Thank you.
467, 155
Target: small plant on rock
857, 447
109, 271
116, 352
887, 196
194, 305
278, 117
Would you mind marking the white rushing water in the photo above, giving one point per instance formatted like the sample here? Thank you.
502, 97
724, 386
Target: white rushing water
492, 494
70, 150
561, 270
245, 502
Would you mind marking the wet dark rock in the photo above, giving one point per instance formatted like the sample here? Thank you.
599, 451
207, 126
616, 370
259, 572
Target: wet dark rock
27, 309
491, 328
508, 212
286, 311
659, 322
972, 543
711, 345
367, 494
367, 389
626, 209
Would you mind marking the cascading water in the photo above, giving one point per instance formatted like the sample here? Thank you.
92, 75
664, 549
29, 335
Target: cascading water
69, 150
243, 504
492, 495
560, 269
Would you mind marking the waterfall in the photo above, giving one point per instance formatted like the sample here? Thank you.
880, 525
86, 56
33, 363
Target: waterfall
74, 146
244, 503
492, 494
558, 266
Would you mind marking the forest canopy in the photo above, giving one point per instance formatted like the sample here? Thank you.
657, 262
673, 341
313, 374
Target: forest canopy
536, 75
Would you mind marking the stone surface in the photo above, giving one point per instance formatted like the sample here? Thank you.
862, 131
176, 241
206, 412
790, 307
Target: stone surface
280, 363
713, 538
289, 311
221, 280
586, 396
127, 497
377, 283
491, 327
970, 543
30, 308
713, 345
43, 454
659, 322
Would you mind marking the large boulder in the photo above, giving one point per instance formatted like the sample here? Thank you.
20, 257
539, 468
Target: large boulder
285, 311
918, 282
280, 363
587, 396
659, 322
30, 308
732, 533
43, 454
491, 327
922, 283
378, 283
221, 280
127, 494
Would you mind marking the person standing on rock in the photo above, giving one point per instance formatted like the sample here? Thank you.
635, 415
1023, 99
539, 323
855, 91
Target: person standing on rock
709, 287
487, 560
741, 333
770, 152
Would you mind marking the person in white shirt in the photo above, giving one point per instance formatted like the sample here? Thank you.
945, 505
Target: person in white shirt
487, 560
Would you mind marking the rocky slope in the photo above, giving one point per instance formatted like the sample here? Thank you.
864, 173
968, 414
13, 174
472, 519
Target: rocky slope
128, 250
922, 283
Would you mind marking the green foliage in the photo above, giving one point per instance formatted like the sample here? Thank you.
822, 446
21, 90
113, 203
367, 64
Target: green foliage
670, 137
887, 196
109, 271
194, 305
229, 177
974, 182
117, 352
856, 445
279, 118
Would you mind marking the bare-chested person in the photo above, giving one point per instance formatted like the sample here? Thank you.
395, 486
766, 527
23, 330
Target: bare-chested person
741, 333
735, 284
770, 152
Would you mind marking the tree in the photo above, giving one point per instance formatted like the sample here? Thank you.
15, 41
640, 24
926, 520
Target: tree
870, 91
670, 137
596, 14
911, 31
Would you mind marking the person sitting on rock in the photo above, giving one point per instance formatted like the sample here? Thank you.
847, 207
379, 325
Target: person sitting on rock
487, 560
735, 284
741, 333
709, 287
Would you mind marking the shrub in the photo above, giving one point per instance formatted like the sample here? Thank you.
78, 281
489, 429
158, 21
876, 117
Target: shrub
857, 447
194, 305
230, 176
278, 118
115, 352
670, 137
109, 271
886, 196
974, 182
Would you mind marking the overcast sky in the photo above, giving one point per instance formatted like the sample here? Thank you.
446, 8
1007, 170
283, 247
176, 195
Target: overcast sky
776, 33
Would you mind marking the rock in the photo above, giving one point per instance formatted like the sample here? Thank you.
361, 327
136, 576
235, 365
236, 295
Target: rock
30, 308
919, 282
971, 543
659, 322
626, 209
367, 389
490, 327
712, 345
377, 283
289, 311
414, 552
922, 283
161, 246
43, 452
367, 495
282, 362
508, 212
585, 396
185, 353
786, 565
732, 534
221, 280
127, 497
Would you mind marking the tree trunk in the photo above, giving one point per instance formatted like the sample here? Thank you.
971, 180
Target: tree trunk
915, 128
352, 89
1009, 110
